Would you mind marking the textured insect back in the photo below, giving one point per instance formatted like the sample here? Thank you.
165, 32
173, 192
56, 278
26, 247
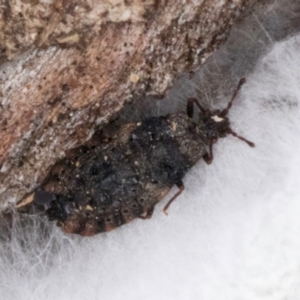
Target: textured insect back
126, 169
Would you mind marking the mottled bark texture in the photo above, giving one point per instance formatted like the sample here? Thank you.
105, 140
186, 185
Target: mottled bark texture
67, 66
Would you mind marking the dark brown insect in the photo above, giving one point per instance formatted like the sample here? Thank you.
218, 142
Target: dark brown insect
124, 170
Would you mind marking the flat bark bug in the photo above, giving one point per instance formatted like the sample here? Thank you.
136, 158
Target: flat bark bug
124, 170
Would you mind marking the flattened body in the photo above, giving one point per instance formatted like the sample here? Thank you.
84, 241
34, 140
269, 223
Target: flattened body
121, 173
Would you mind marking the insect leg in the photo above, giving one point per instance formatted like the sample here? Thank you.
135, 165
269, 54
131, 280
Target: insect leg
208, 157
190, 107
148, 214
225, 111
180, 185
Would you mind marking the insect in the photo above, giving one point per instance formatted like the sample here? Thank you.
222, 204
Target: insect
124, 170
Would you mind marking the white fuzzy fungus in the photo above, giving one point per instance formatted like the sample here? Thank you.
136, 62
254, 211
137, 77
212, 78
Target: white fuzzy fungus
233, 233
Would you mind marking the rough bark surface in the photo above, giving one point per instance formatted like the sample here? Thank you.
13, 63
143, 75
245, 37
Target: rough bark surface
67, 66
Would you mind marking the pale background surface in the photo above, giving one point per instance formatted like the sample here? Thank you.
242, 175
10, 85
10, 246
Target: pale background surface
233, 234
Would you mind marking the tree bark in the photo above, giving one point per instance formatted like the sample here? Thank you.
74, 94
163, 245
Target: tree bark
68, 66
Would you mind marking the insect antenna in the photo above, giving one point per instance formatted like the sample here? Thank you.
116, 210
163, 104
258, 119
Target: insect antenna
230, 131
226, 110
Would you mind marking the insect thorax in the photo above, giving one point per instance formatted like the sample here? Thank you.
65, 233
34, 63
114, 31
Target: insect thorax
191, 137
